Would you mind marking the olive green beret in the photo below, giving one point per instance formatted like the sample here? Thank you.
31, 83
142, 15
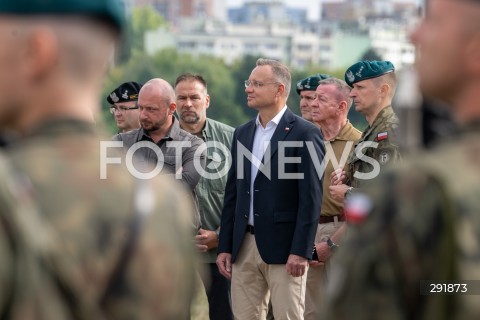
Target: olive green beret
364, 70
109, 10
311, 83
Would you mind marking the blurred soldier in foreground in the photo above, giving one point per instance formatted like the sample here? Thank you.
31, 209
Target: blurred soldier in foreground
416, 252
114, 248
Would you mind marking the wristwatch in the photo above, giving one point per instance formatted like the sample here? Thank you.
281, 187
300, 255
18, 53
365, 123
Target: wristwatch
217, 232
332, 245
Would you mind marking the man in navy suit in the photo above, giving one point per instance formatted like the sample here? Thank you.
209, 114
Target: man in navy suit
272, 201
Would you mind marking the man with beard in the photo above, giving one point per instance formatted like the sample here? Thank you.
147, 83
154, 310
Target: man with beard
192, 104
166, 144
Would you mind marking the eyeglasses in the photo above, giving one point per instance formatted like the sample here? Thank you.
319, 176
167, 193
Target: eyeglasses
257, 84
121, 109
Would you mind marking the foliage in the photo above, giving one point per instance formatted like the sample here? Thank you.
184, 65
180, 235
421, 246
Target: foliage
225, 83
371, 55
142, 19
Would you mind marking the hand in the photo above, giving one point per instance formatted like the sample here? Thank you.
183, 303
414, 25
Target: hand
338, 192
206, 240
337, 177
323, 251
296, 265
224, 263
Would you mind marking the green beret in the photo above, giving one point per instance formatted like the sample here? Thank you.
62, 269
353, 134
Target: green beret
311, 83
364, 70
111, 11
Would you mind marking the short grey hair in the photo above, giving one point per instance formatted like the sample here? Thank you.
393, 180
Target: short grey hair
280, 72
343, 90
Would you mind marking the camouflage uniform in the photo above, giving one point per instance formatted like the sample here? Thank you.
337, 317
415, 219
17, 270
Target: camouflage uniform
382, 131
423, 225
111, 248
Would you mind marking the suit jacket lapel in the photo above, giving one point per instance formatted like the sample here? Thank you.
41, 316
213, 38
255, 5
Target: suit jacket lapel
247, 142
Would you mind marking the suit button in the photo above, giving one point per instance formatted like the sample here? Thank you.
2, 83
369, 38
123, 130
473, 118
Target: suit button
246, 217
256, 214
248, 192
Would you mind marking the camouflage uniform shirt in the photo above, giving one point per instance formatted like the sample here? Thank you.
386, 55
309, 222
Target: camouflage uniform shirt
423, 223
118, 248
381, 132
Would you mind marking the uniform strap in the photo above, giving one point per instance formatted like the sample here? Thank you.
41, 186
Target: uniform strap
144, 202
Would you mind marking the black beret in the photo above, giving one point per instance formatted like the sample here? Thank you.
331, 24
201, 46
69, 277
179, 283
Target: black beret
109, 10
311, 83
364, 70
126, 92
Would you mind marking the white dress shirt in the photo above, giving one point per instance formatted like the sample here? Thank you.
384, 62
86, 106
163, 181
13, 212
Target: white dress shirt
261, 141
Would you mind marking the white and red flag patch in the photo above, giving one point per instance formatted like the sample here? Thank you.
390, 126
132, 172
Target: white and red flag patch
382, 136
357, 208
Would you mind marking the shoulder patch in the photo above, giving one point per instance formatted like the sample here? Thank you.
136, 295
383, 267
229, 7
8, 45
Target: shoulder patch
385, 156
357, 208
382, 136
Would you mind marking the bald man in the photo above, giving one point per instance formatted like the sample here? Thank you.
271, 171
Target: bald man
156, 102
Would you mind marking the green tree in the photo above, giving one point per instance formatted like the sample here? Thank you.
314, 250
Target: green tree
371, 55
169, 64
241, 70
142, 19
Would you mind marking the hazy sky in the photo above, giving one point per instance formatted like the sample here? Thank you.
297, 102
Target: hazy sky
313, 6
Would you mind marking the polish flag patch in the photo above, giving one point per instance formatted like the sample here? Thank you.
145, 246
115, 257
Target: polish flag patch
382, 136
357, 208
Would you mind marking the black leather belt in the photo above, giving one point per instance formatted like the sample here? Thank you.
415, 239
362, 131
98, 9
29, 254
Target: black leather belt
328, 219
250, 229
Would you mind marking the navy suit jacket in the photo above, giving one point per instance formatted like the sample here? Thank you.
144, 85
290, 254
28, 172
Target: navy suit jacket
286, 211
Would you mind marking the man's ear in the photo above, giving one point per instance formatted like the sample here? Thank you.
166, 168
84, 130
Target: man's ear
384, 90
207, 99
172, 108
342, 106
41, 53
281, 90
